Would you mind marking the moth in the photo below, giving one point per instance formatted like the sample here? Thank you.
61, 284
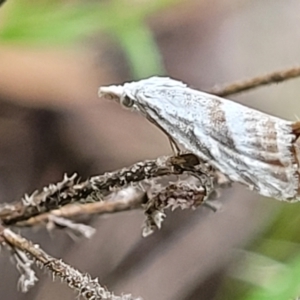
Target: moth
250, 147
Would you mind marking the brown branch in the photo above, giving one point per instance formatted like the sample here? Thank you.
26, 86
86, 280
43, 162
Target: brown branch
184, 193
94, 189
87, 287
244, 85
73, 211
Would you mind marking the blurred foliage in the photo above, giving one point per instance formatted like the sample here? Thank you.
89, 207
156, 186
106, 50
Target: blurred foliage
283, 284
270, 269
52, 23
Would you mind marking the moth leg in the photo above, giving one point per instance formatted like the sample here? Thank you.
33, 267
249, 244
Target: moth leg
175, 148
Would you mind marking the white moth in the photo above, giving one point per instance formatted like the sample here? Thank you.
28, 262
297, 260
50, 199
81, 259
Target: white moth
249, 146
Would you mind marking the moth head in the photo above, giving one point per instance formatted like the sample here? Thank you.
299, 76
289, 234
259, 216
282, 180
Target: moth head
119, 93
140, 94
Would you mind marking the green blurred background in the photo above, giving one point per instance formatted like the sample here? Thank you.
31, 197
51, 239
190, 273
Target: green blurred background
53, 57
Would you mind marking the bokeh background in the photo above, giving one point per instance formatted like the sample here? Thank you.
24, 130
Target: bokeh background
53, 57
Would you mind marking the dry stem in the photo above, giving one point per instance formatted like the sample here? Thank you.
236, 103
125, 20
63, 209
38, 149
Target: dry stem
244, 85
94, 189
87, 287
76, 210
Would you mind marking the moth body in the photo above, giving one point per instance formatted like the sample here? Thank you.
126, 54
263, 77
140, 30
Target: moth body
249, 146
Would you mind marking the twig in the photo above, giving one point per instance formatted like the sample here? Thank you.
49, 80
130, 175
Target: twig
87, 287
244, 85
73, 211
184, 193
94, 189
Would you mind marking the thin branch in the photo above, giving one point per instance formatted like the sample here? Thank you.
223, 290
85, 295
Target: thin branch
251, 83
94, 189
153, 199
74, 211
157, 198
87, 287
